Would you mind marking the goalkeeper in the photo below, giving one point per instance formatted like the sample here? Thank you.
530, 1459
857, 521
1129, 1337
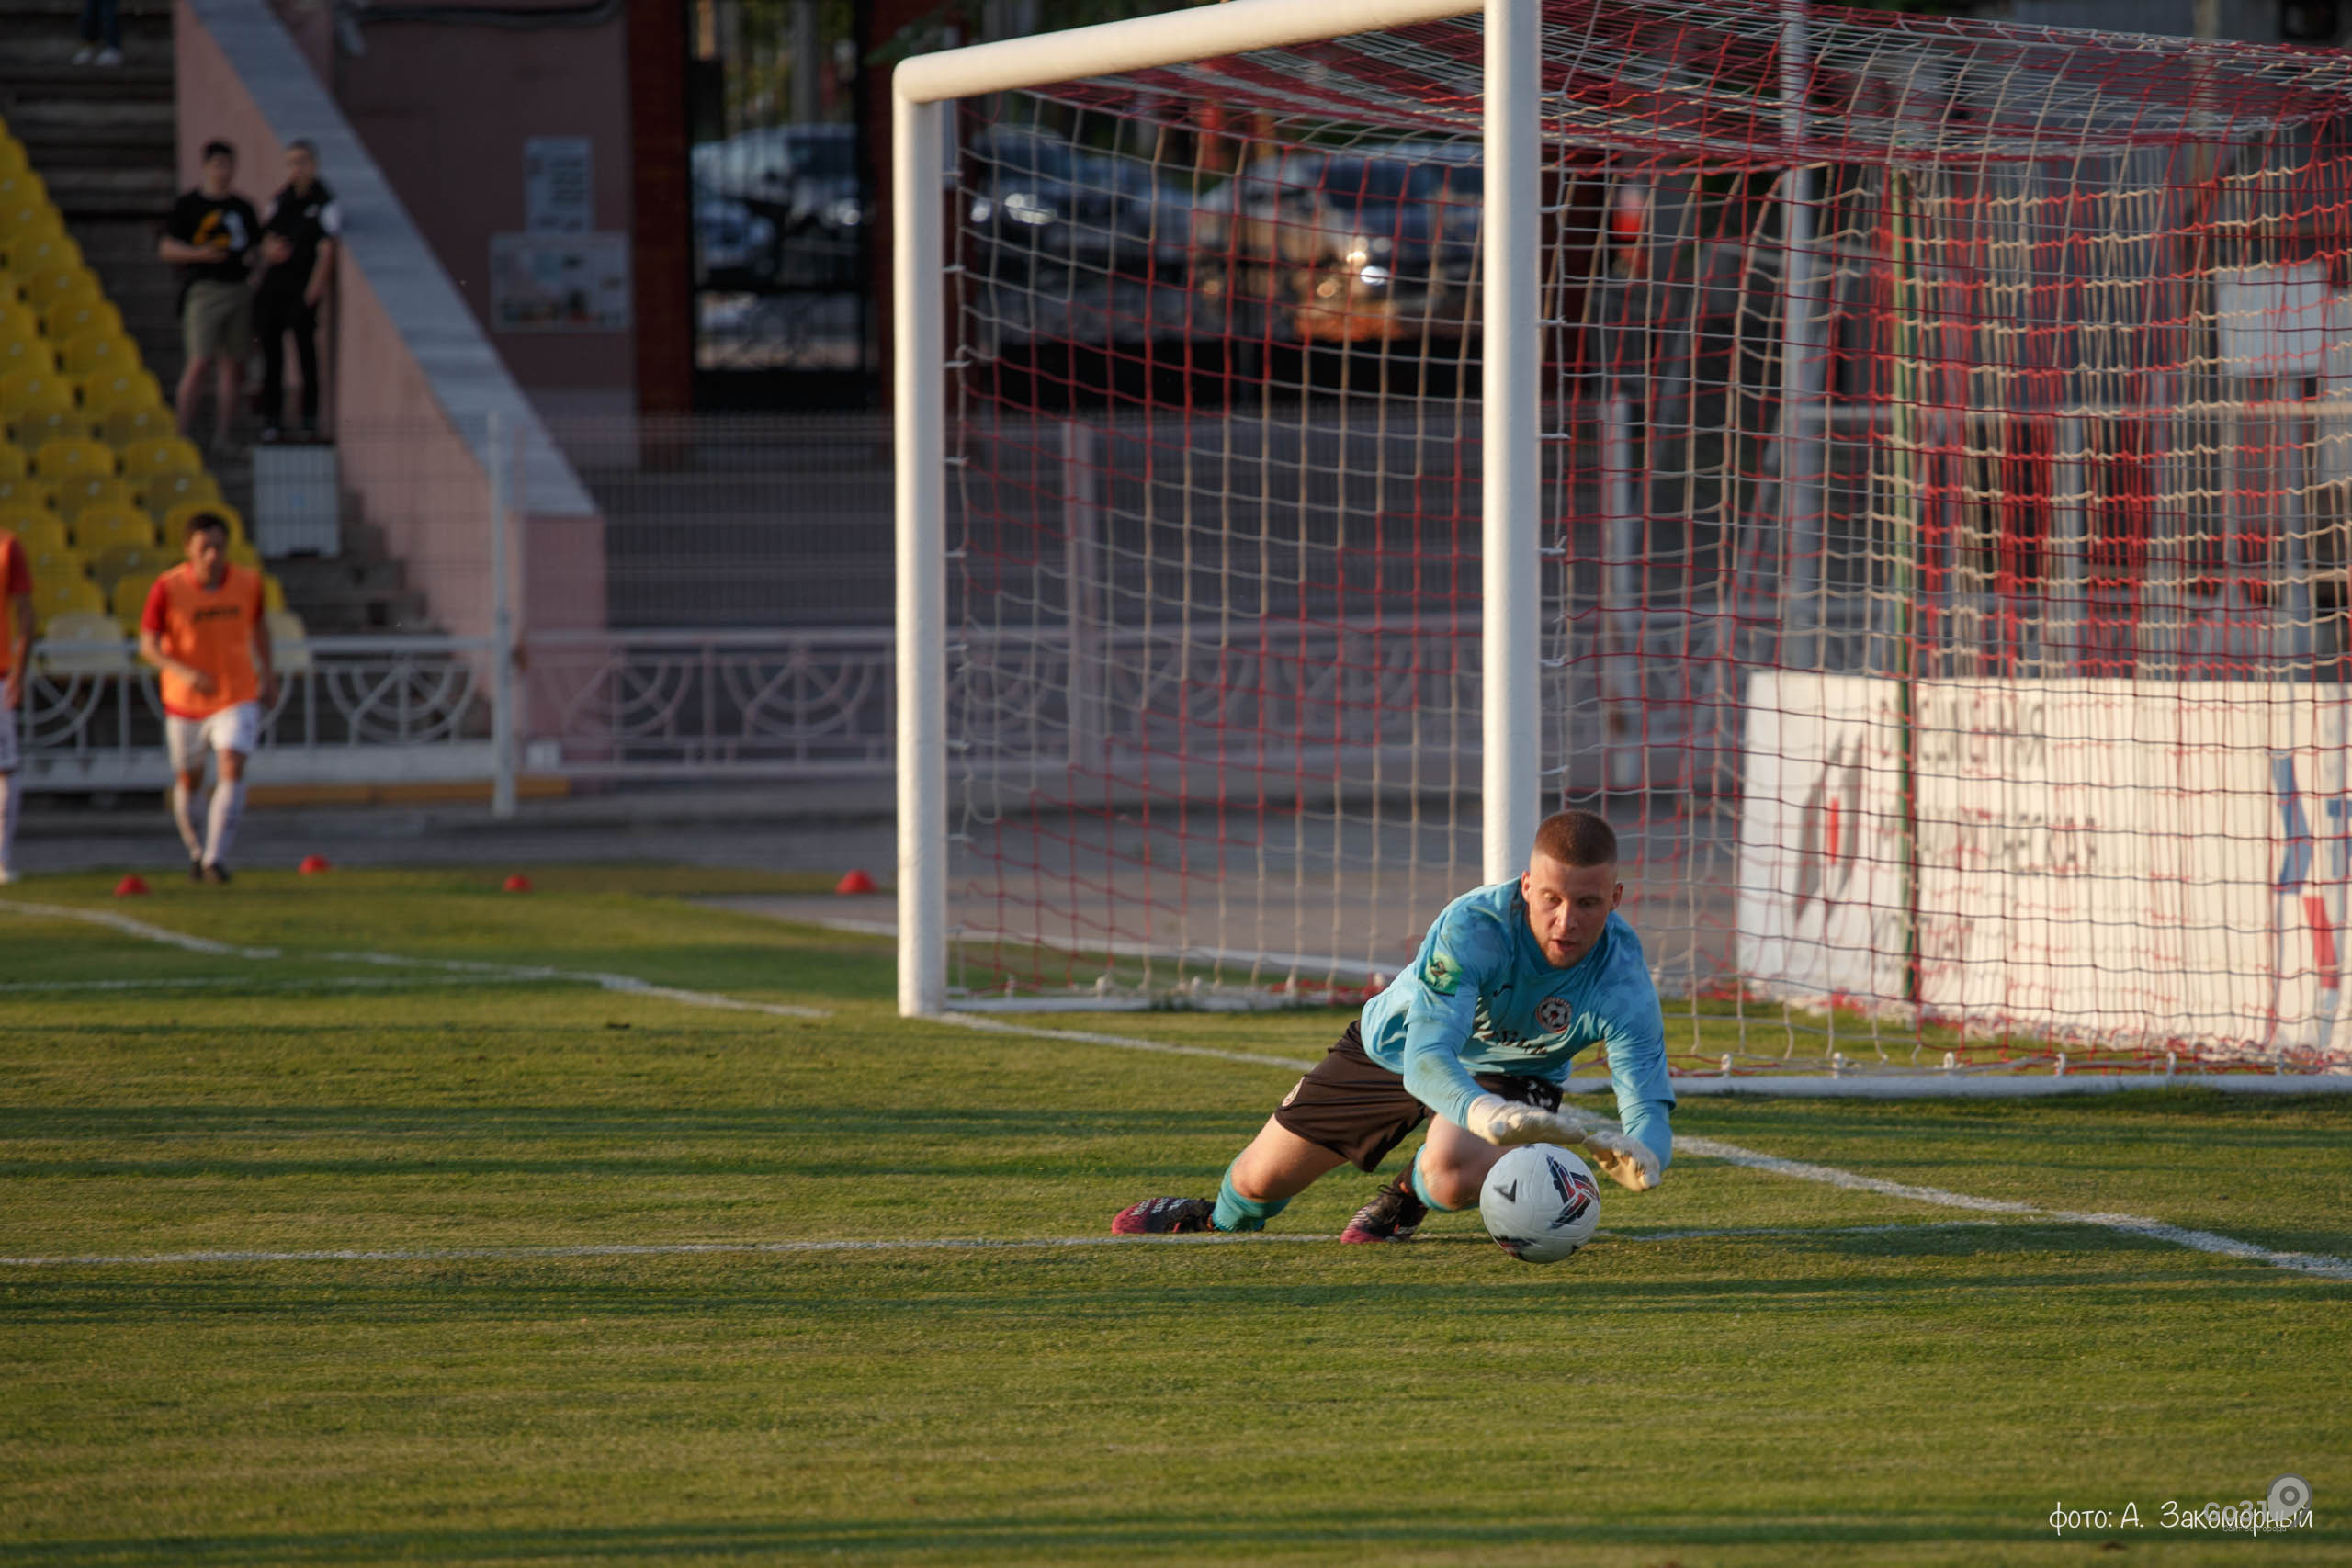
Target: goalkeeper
1511, 982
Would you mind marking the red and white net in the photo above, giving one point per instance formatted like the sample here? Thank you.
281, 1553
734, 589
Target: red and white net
1944, 540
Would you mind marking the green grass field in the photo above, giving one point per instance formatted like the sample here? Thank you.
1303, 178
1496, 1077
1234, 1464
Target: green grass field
1747, 1367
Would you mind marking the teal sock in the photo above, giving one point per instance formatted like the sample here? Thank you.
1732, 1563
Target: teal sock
1235, 1213
1422, 1192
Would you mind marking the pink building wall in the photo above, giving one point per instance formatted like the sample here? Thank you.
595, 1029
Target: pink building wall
418, 472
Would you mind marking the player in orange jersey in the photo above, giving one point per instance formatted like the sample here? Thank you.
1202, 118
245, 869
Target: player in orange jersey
203, 628
16, 662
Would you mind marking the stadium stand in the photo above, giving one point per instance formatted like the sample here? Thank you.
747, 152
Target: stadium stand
94, 475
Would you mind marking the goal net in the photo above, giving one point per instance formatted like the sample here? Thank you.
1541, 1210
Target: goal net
1942, 538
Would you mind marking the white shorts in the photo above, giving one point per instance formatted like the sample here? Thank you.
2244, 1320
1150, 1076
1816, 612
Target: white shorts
236, 728
7, 733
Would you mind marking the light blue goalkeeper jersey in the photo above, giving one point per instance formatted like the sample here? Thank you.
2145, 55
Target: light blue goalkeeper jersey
1481, 998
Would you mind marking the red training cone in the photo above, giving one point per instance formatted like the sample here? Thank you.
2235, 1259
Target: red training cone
518, 883
313, 864
131, 886
856, 882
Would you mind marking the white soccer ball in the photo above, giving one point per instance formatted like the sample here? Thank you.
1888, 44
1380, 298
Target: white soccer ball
1540, 1203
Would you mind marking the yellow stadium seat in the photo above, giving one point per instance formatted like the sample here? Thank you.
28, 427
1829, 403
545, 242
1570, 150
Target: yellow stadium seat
169, 455
273, 594
27, 495
35, 430
14, 464
17, 320
69, 459
63, 595
12, 155
163, 493
89, 353
127, 598
26, 185
289, 642
37, 530
71, 318
27, 353
107, 390
25, 224
75, 496
22, 391
97, 529
56, 560
47, 265
145, 562
129, 424
84, 640
55, 283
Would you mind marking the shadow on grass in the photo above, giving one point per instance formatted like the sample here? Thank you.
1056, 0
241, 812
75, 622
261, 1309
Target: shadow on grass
1387, 1534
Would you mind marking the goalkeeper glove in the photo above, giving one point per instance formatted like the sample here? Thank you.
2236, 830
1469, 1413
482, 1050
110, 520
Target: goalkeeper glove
1627, 1161
1505, 1122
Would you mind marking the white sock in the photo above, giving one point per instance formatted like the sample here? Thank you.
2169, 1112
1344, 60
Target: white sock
228, 805
8, 799
183, 800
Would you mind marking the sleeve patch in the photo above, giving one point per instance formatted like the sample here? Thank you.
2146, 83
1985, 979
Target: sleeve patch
1442, 974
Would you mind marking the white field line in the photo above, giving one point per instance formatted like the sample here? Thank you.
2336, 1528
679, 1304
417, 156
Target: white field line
912, 1244
264, 982
2316, 1263
626, 983
1119, 1041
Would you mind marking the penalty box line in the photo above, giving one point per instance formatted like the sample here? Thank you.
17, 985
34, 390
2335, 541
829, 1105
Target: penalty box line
2313, 1263
627, 984
906, 1244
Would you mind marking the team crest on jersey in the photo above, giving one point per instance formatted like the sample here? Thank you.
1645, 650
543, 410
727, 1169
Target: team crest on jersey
1552, 1012
1293, 1091
1442, 974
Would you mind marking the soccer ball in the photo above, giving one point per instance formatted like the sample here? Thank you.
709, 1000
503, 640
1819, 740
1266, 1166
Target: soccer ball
1540, 1203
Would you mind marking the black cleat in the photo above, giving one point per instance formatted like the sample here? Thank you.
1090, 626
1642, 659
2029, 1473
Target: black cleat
1164, 1217
195, 868
1395, 1216
216, 875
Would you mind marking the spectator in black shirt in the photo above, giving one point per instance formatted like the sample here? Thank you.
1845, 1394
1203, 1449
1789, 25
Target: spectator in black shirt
298, 245
212, 234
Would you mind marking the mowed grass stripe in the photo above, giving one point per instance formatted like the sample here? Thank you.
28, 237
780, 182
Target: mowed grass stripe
1821, 1367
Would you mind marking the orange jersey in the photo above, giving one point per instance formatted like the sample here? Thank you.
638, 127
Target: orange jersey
16, 578
210, 628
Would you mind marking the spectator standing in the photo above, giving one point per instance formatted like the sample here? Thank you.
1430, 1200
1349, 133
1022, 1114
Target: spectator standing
299, 236
16, 669
101, 33
211, 234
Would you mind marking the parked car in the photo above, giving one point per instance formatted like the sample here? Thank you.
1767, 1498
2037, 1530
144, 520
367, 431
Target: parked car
1040, 201
803, 180
735, 248
1346, 245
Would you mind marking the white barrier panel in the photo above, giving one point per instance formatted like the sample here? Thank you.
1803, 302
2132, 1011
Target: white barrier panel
2115, 861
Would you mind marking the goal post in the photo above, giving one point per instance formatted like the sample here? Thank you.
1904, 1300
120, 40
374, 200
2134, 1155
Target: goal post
919, 88
1897, 469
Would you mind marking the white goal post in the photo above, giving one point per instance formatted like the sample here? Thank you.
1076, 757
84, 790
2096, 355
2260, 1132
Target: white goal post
1897, 469
1510, 370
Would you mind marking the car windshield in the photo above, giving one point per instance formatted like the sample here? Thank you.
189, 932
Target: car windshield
1352, 182
825, 157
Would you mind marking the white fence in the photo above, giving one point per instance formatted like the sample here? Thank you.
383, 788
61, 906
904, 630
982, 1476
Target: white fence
418, 709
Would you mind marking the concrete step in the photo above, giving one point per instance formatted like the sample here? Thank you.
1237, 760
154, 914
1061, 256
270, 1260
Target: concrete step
310, 578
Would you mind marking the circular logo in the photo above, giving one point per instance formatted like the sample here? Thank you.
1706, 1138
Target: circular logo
1552, 1012
2289, 1495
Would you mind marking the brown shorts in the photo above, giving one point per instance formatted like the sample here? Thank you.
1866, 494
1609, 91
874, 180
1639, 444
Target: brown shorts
1359, 1109
217, 321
